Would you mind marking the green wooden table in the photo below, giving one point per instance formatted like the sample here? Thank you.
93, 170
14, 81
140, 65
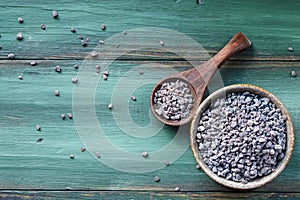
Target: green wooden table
36, 164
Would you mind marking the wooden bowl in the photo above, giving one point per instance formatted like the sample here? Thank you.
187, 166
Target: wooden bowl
221, 94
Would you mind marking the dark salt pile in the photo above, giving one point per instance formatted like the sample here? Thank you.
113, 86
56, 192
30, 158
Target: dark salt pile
242, 137
173, 101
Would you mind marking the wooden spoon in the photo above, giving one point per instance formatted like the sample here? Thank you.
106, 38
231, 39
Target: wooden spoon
198, 78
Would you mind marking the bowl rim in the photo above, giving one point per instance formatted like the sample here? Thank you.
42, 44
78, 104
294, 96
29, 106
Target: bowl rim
289, 145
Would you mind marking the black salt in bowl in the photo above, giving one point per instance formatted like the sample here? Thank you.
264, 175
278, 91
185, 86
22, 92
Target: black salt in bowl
242, 136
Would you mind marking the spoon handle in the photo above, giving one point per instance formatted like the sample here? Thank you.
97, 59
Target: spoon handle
199, 76
237, 43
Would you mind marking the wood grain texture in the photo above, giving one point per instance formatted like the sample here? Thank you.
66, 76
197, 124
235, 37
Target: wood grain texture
31, 101
35, 168
141, 195
271, 27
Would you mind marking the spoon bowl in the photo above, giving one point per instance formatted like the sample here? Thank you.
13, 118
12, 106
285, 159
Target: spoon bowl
154, 106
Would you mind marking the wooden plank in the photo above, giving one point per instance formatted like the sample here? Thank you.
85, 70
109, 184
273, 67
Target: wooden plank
28, 165
74, 195
141, 195
227, 195
271, 28
25, 164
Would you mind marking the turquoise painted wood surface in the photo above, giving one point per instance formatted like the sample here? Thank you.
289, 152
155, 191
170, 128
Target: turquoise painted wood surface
44, 170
